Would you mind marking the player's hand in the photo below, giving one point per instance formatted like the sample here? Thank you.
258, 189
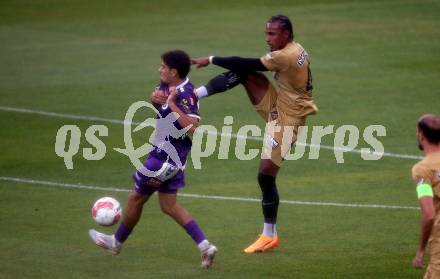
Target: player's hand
200, 62
418, 260
172, 96
159, 97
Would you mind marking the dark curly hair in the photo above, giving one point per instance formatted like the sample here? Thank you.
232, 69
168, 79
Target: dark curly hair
179, 60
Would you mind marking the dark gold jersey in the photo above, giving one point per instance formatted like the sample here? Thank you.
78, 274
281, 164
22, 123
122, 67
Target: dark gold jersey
292, 72
428, 171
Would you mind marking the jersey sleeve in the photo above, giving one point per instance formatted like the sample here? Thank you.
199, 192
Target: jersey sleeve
275, 61
188, 103
421, 174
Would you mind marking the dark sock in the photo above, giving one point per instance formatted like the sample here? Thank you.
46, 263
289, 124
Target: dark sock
270, 198
224, 82
122, 233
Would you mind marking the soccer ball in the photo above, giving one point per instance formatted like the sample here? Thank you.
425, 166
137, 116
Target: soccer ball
106, 211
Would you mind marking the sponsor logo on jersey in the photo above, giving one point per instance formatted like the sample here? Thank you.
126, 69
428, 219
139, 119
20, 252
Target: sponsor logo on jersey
269, 56
185, 106
272, 142
302, 58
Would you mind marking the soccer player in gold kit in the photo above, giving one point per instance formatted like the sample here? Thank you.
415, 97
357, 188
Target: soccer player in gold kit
284, 107
426, 175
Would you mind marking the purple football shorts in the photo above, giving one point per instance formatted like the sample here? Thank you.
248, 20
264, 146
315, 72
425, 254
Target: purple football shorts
170, 186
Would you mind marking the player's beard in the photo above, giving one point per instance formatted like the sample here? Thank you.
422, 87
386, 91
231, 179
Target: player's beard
420, 145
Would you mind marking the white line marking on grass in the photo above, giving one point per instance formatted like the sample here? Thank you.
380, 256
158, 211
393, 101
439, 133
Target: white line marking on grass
197, 196
64, 115
116, 121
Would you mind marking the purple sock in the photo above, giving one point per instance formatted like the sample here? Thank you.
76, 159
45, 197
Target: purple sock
122, 233
193, 229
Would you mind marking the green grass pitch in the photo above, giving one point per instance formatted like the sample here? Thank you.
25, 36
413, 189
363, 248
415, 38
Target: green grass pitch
373, 62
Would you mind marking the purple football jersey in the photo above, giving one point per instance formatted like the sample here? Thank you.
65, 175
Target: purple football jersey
171, 142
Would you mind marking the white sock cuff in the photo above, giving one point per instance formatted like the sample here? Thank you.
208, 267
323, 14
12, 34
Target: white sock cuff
204, 245
201, 92
270, 230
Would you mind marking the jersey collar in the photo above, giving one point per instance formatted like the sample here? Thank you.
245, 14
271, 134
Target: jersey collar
182, 84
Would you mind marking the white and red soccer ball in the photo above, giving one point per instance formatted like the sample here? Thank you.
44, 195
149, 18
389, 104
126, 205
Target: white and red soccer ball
106, 211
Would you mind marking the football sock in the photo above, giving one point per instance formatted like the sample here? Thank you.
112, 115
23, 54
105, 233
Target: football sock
193, 229
270, 198
220, 83
201, 92
270, 230
122, 233
204, 245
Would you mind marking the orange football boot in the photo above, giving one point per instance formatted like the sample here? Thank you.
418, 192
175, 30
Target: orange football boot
263, 244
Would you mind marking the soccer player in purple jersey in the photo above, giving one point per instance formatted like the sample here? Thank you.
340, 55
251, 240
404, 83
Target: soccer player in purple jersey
174, 97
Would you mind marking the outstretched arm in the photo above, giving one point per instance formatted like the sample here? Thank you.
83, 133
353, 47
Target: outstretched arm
233, 63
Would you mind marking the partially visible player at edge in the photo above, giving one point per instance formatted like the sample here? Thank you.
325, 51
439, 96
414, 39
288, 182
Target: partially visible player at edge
174, 94
426, 174
286, 106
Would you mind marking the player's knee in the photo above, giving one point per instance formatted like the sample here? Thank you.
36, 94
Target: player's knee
268, 167
256, 81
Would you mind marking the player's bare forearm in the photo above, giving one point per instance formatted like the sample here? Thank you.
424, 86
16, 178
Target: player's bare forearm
184, 119
426, 227
426, 224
